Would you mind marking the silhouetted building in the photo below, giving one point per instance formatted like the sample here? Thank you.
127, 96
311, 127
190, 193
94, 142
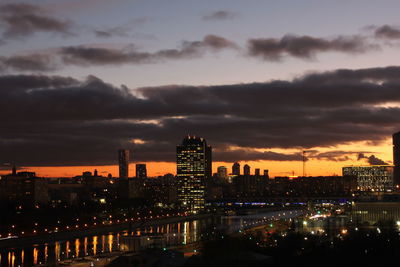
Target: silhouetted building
193, 168
14, 170
371, 178
396, 158
246, 169
266, 173
123, 160
222, 172
141, 171
257, 172
24, 187
236, 168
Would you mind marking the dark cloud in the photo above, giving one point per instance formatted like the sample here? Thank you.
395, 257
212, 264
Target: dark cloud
11, 84
387, 32
20, 20
51, 120
81, 55
305, 47
54, 59
119, 31
233, 155
30, 62
372, 159
107, 33
219, 15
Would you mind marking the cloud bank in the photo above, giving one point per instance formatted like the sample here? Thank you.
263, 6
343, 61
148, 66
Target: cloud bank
54, 120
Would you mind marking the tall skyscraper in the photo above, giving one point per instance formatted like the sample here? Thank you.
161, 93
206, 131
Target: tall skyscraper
222, 172
396, 158
123, 161
246, 169
236, 168
266, 173
193, 158
141, 171
257, 172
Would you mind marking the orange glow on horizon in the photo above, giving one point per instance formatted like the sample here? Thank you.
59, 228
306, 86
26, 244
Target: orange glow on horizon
314, 167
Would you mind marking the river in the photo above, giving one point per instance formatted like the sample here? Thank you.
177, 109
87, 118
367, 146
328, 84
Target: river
173, 234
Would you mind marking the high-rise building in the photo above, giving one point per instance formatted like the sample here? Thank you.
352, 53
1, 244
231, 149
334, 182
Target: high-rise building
246, 169
236, 168
266, 173
257, 172
123, 161
141, 171
222, 172
371, 178
193, 158
396, 158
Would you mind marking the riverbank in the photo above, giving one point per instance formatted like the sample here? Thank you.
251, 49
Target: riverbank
60, 236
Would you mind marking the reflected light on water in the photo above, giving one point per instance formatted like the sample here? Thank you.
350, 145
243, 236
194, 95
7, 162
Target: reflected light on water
77, 245
110, 242
57, 251
67, 249
94, 245
35, 256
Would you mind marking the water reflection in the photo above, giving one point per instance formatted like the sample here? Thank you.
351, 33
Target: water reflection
94, 245
22, 257
35, 256
110, 242
77, 244
57, 251
172, 234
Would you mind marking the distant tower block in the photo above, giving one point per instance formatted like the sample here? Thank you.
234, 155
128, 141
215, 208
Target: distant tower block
246, 169
123, 160
236, 168
266, 174
257, 172
222, 172
141, 171
14, 170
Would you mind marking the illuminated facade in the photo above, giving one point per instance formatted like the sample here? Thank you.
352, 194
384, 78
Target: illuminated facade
374, 212
371, 178
193, 160
123, 161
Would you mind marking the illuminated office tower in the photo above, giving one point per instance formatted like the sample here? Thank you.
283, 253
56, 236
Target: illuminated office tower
123, 161
236, 168
193, 158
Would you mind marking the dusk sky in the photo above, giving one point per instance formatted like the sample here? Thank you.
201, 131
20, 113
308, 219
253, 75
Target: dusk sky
261, 81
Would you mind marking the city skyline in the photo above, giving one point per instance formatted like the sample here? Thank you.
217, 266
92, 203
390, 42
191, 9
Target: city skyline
259, 81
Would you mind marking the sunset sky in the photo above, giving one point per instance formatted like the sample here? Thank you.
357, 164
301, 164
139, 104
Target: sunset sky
260, 80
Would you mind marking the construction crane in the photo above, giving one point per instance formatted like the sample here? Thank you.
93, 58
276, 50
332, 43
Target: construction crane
304, 157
